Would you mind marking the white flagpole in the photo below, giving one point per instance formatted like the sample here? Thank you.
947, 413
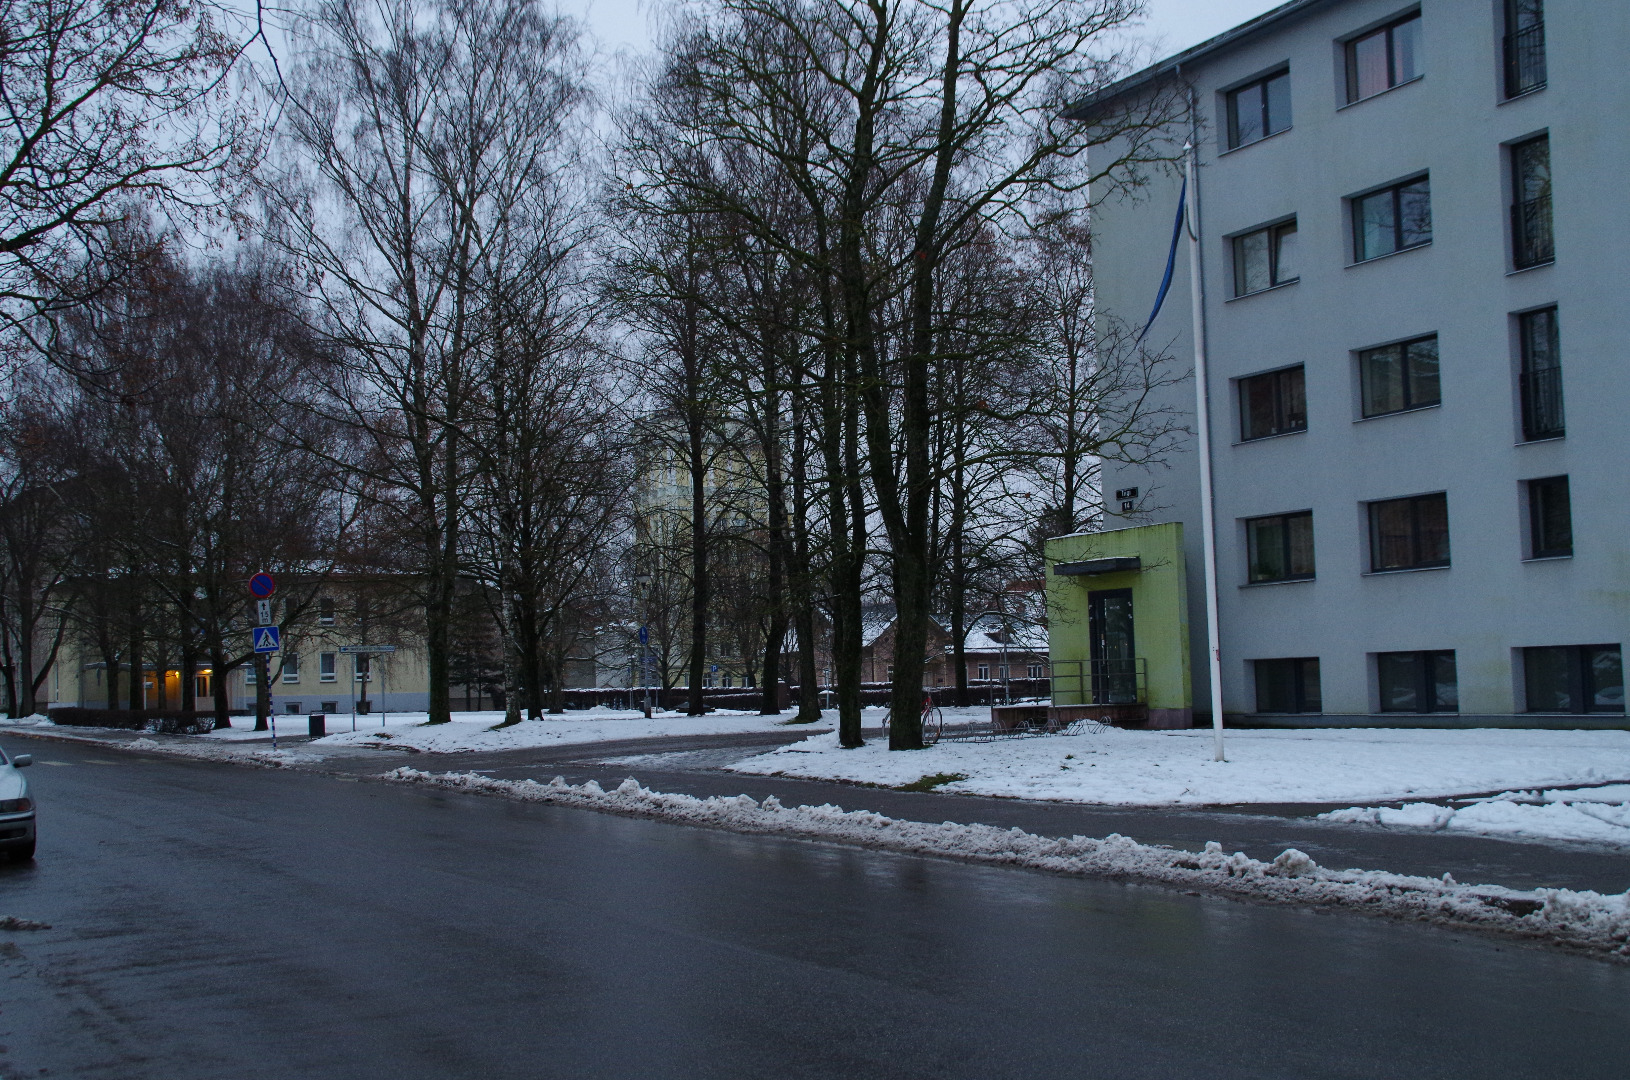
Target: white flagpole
1202, 412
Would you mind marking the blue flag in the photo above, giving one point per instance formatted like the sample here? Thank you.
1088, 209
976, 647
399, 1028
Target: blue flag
1171, 260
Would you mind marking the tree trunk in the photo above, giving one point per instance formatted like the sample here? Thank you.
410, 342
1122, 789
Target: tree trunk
699, 566
800, 589
138, 690
217, 684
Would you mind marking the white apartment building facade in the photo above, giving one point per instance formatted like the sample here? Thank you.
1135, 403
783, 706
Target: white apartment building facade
1414, 230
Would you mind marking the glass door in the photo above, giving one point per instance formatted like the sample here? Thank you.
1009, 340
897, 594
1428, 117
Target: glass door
1114, 664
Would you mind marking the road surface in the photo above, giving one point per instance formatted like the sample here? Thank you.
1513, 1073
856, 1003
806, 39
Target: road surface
220, 922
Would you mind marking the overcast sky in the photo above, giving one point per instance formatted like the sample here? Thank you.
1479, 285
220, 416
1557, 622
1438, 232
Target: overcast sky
1173, 24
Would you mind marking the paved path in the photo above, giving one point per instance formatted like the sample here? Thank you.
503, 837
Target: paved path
214, 922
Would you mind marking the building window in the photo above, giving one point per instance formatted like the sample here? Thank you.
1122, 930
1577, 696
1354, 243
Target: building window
1396, 378
1259, 109
291, 667
325, 611
1409, 534
1541, 377
1420, 682
1273, 404
1384, 58
1524, 46
727, 681
1532, 242
325, 667
1550, 520
1288, 686
1281, 547
984, 672
1265, 258
200, 684
1574, 679
1392, 219
363, 664
1033, 671
331, 706
249, 673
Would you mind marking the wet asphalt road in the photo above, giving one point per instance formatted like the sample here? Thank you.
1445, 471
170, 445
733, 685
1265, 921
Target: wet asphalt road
219, 922
691, 765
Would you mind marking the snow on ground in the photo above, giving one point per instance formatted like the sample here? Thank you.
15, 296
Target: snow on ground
1588, 815
1151, 768
1586, 920
472, 731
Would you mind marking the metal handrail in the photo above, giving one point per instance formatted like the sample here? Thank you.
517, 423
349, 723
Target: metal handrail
1542, 403
1532, 241
1101, 682
1525, 60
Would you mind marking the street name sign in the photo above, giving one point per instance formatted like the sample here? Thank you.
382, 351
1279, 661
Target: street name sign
367, 648
267, 639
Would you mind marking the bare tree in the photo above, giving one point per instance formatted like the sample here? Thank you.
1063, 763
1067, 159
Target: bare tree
106, 105
413, 125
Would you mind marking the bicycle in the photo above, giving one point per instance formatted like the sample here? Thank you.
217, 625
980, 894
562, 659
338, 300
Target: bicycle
932, 718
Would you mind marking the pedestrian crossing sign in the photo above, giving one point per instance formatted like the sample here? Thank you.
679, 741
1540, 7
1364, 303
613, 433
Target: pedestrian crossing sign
267, 639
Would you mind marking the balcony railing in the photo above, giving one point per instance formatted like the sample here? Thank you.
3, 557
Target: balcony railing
1531, 240
1525, 60
1542, 403
1101, 682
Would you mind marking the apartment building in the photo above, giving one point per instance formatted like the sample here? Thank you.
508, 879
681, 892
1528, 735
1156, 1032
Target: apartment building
1413, 238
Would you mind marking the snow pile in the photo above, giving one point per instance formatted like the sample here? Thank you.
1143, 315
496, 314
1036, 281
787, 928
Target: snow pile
1587, 920
471, 732
275, 759
1590, 815
1152, 768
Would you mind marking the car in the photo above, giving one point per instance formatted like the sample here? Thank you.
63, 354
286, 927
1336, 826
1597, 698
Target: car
16, 808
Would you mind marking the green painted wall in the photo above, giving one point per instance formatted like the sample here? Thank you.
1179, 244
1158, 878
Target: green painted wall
1160, 620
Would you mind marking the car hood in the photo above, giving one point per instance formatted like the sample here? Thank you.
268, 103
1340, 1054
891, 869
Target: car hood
12, 784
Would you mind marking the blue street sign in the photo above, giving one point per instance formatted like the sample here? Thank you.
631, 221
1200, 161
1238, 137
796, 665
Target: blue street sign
267, 638
645, 635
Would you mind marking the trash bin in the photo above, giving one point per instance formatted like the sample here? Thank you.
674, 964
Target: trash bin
319, 725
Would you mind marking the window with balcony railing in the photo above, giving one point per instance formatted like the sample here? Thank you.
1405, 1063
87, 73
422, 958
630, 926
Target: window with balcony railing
1531, 237
1524, 46
1540, 380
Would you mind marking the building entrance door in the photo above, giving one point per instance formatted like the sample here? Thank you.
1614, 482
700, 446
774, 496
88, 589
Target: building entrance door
1114, 663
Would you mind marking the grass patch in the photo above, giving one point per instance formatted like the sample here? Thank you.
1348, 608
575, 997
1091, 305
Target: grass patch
929, 783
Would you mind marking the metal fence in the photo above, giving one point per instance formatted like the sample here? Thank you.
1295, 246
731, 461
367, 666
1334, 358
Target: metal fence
1101, 682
